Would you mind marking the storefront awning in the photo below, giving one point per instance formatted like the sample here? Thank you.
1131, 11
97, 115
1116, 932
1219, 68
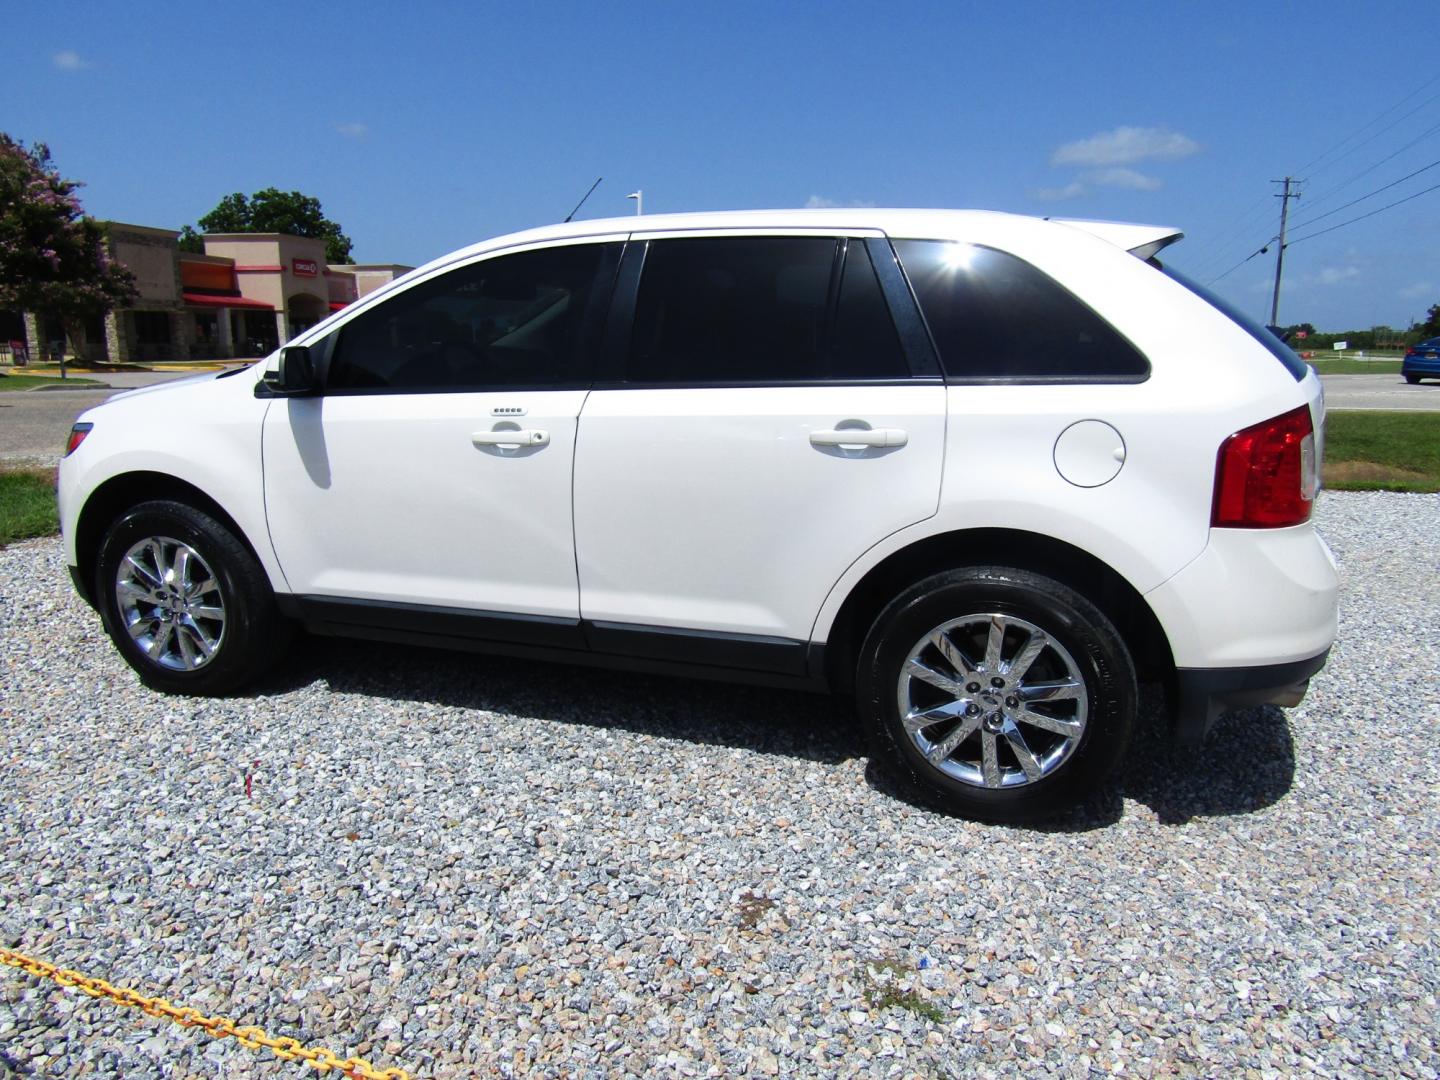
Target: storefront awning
204, 300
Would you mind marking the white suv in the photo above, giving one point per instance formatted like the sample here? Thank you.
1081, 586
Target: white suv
979, 472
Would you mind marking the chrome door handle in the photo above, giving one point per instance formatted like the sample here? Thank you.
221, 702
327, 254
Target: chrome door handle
845, 437
511, 437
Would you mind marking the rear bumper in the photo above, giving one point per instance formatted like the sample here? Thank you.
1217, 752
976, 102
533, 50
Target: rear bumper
1204, 693
1420, 365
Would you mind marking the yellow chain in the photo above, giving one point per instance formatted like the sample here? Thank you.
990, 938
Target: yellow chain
252, 1038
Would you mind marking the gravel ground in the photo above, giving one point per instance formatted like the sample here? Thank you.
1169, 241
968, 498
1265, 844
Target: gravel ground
469, 866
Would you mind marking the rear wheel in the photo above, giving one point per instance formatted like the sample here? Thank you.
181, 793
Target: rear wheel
185, 602
1412, 379
1000, 693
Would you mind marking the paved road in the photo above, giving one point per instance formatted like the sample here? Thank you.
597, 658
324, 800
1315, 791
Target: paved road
1380, 392
33, 423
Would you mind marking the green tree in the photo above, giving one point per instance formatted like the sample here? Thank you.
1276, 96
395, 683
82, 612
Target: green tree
52, 257
274, 211
1431, 326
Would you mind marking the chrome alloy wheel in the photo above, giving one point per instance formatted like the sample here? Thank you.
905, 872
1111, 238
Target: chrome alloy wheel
170, 603
992, 700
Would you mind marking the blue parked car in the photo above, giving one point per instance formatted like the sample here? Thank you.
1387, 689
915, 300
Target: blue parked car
1422, 361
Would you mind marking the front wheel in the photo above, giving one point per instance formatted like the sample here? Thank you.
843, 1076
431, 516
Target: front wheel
1000, 693
185, 602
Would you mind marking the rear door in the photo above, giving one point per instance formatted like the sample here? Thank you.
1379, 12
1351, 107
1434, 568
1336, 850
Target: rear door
760, 427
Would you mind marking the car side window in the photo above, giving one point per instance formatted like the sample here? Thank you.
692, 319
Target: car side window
522, 320
994, 316
760, 310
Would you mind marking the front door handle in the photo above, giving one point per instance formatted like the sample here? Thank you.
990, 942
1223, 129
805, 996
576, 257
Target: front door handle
847, 437
513, 437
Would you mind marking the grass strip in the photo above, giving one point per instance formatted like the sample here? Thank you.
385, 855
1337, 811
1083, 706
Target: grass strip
1355, 367
1382, 451
27, 504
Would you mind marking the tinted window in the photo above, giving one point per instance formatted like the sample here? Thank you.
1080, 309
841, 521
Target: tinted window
995, 316
514, 320
721, 309
864, 344
1261, 333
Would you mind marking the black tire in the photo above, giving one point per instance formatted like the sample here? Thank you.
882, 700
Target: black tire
246, 640
1412, 379
1079, 645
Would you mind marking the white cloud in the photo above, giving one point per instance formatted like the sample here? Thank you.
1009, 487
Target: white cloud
1073, 190
353, 130
819, 202
1124, 178
1126, 145
1419, 291
1337, 275
69, 60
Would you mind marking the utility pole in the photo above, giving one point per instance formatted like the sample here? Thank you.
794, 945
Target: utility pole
1284, 197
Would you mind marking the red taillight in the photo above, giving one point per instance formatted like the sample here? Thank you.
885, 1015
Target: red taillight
77, 436
1266, 475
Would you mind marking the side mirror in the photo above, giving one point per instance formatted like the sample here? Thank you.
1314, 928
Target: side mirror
294, 376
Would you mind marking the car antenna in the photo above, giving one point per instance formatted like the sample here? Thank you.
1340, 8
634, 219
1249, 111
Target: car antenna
582, 201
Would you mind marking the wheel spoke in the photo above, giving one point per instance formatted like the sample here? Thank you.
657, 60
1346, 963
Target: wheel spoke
206, 645
206, 586
137, 591
181, 567
1048, 723
1058, 690
144, 571
140, 627
927, 674
990, 759
1028, 761
1017, 667
156, 551
953, 654
187, 646
994, 642
919, 719
214, 614
946, 746
160, 640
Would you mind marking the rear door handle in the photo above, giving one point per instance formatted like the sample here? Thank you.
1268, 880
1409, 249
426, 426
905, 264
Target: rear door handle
509, 438
844, 437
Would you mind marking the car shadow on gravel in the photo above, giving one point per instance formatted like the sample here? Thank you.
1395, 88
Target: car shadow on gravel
1246, 764
812, 727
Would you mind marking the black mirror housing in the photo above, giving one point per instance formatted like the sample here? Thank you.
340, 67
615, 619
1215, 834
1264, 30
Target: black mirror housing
293, 376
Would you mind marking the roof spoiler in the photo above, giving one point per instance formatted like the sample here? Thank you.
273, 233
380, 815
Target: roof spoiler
1142, 241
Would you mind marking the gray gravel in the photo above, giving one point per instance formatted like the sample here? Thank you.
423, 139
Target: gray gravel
471, 866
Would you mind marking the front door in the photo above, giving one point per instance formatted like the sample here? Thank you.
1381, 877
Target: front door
435, 470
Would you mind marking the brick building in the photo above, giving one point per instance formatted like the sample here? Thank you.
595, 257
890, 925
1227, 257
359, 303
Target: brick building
247, 294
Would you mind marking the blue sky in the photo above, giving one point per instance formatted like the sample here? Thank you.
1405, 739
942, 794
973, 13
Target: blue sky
427, 126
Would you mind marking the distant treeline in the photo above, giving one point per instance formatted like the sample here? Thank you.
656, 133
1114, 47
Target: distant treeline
1377, 337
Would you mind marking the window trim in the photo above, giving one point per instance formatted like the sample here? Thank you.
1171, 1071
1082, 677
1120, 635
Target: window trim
1023, 380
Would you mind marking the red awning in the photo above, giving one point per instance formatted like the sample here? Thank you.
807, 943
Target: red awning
337, 305
203, 300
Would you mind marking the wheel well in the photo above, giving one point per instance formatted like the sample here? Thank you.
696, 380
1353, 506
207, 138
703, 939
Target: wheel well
1084, 573
119, 493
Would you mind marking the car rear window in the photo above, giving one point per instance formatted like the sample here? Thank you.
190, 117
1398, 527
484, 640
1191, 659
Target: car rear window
994, 317
1260, 332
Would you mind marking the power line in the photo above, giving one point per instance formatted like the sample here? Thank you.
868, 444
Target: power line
1371, 168
1361, 129
1394, 183
1246, 259
1362, 217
